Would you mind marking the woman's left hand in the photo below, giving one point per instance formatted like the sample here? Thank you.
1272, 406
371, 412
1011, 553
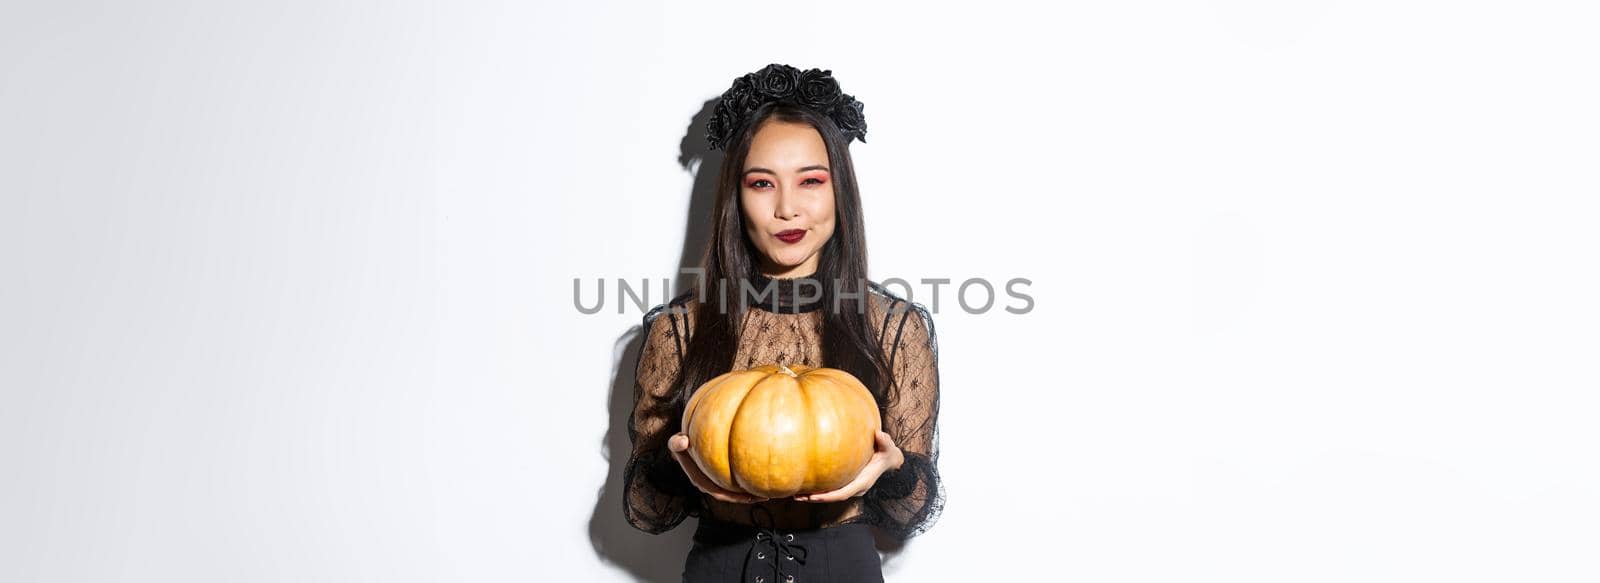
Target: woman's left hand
885, 456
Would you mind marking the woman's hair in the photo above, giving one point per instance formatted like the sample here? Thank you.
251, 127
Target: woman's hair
848, 341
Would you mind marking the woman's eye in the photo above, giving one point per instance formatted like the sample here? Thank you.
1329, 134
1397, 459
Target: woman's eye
763, 183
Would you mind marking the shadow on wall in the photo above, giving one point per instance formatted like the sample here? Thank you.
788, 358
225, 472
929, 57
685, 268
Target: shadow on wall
660, 558
655, 558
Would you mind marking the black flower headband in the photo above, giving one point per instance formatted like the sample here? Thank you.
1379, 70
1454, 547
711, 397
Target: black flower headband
815, 89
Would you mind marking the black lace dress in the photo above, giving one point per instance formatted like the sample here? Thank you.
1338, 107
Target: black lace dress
784, 330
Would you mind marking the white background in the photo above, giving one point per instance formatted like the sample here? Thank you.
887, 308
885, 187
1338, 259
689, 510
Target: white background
288, 285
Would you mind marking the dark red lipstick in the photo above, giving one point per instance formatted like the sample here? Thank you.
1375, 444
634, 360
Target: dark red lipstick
791, 236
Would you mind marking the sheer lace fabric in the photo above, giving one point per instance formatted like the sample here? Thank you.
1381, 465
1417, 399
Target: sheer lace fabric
787, 329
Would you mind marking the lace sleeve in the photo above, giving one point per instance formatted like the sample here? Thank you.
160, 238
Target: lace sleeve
906, 502
657, 494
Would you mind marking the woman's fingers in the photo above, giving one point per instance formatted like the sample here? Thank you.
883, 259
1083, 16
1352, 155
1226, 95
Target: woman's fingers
885, 441
882, 458
734, 498
845, 493
700, 479
864, 480
892, 455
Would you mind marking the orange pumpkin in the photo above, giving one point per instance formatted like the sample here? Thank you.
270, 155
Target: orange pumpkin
778, 431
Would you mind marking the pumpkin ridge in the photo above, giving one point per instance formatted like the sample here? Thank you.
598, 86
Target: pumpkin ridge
744, 412
720, 467
855, 391
699, 394
810, 429
840, 394
827, 413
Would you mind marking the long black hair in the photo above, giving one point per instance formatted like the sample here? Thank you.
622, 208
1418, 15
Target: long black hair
848, 341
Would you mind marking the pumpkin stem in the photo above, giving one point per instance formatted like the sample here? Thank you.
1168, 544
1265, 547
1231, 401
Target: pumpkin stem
784, 368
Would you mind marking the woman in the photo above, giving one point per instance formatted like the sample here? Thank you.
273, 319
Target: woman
785, 282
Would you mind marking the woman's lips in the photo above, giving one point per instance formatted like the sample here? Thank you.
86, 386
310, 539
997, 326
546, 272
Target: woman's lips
791, 236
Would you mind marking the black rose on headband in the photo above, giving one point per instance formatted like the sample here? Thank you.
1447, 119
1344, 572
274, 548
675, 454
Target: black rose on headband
814, 89
849, 117
818, 90
777, 81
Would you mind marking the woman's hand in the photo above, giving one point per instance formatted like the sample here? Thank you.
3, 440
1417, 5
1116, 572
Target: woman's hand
679, 446
886, 456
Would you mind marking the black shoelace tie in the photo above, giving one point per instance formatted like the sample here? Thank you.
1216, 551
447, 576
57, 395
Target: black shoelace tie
780, 546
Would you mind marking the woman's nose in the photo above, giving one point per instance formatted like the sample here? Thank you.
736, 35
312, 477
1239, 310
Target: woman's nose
786, 208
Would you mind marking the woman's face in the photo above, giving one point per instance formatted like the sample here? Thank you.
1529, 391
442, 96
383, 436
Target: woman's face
786, 195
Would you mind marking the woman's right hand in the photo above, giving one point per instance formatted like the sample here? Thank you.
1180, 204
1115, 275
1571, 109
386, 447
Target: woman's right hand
679, 446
